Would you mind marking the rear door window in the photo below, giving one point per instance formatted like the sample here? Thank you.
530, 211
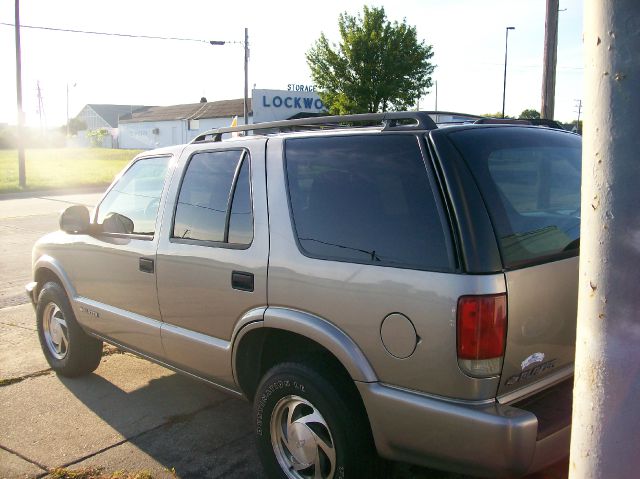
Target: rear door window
214, 203
530, 180
366, 199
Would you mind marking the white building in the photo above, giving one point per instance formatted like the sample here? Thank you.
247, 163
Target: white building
100, 116
159, 126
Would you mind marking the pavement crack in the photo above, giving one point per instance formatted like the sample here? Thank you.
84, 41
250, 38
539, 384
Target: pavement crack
25, 458
180, 418
9, 381
108, 351
107, 448
17, 326
16, 300
171, 420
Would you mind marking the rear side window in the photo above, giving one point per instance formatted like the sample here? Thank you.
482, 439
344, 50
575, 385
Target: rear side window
214, 204
530, 180
365, 199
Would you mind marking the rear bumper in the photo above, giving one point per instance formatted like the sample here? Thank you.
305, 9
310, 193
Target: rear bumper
483, 440
30, 290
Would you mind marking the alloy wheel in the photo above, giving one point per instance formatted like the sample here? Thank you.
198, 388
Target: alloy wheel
302, 440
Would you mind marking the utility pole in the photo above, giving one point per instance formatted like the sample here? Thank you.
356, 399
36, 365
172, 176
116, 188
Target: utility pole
579, 107
550, 60
22, 177
40, 108
504, 85
67, 111
246, 76
437, 102
606, 414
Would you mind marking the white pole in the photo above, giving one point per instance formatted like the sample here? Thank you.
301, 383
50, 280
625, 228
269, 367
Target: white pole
606, 416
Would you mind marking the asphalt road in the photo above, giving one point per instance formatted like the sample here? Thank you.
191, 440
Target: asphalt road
130, 414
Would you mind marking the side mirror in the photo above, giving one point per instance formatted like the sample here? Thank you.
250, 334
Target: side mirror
117, 223
75, 220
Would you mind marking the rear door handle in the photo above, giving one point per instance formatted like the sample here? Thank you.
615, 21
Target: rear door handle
146, 265
242, 280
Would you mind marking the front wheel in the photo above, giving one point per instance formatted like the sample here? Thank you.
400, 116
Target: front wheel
302, 423
67, 348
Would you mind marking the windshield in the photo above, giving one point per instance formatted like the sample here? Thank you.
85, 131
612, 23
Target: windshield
530, 181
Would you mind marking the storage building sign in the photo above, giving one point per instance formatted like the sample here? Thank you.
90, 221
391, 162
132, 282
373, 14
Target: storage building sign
273, 105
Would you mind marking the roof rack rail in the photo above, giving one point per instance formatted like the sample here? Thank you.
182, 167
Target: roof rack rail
502, 121
390, 121
438, 113
521, 121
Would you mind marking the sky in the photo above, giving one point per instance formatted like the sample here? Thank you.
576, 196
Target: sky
468, 38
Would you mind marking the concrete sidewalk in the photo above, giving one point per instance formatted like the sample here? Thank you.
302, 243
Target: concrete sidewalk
129, 415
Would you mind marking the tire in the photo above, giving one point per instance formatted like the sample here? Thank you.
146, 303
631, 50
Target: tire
68, 349
304, 424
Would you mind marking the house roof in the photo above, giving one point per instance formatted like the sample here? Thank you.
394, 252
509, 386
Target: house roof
111, 113
190, 111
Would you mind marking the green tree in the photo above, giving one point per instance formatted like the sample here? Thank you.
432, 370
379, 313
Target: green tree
75, 125
530, 114
497, 115
378, 65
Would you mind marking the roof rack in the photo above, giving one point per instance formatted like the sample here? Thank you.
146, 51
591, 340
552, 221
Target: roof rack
521, 121
390, 121
502, 121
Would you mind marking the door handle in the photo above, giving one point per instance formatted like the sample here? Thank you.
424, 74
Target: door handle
242, 281
146, 265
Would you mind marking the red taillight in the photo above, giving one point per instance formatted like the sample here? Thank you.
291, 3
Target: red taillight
482, 326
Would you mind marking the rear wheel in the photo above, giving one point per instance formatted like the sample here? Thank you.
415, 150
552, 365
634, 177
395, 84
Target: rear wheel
67, 348
309, 427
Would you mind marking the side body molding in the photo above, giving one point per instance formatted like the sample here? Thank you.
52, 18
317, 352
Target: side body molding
325, 334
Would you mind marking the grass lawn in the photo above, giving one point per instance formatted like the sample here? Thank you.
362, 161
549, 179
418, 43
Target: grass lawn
62, 167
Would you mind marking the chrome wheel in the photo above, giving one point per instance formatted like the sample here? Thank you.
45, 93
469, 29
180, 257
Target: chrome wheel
301, 440
56, 333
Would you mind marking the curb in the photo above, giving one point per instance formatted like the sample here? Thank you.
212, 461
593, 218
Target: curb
54, 192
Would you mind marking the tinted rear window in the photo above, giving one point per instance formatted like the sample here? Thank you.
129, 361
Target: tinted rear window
530, 180
365, 199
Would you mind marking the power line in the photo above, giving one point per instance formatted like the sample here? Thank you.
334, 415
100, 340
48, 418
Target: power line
126, 35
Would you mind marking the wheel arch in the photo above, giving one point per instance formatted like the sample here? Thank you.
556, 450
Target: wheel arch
287, 335
47, 269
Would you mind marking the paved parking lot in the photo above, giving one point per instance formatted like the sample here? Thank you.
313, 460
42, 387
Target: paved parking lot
130, 414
